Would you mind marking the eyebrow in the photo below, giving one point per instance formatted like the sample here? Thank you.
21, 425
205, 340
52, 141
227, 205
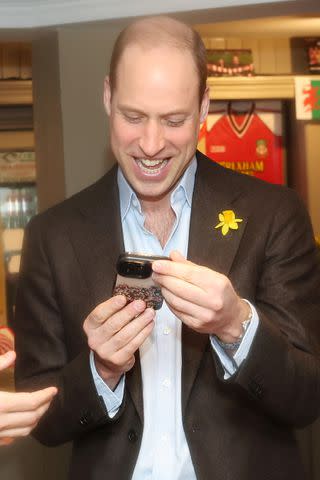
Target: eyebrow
129, 108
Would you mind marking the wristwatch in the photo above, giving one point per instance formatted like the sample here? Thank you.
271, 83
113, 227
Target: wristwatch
236, 344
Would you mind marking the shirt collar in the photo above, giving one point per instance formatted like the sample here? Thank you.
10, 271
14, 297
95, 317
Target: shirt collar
129, 197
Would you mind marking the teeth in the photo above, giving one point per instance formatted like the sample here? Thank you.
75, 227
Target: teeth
148, 166
150, 163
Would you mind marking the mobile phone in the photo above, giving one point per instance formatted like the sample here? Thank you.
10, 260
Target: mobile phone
134, 279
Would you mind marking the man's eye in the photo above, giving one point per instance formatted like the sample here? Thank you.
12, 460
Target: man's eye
175, 123
132, 119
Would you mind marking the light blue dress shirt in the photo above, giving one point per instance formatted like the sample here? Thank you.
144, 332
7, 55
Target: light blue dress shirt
164, 452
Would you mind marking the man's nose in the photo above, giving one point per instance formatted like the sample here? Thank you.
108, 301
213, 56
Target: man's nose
152, 139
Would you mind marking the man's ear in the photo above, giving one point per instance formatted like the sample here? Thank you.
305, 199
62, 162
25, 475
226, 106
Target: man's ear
107, 95
205, 103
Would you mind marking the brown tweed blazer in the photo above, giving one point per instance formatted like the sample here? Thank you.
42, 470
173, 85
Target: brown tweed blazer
240, 429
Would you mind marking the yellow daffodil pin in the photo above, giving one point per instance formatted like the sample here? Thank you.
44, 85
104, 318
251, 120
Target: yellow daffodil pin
228, 220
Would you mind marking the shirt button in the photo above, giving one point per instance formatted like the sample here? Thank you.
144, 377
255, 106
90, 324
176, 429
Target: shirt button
167, 331
166, 382
164, 438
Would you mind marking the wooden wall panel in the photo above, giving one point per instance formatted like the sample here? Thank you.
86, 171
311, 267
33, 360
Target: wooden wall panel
234, 43
17, 140
11, 61
15, 61
282, 56
25, 62
1, 61
267, 56
215, 43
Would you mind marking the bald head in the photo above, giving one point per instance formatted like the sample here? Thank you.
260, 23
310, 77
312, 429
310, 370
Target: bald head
160, 31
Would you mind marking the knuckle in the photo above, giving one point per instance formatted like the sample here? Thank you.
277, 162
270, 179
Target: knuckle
97, 315
131, 362
101, 353
127, 351
34, 417
124, 358
118, 342
217, 305
32, 402
189, 275
223, 282
85, 326
93, 316
114, 361
92, 343
208, 316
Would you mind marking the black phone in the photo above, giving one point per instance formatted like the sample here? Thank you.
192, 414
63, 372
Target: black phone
134, 279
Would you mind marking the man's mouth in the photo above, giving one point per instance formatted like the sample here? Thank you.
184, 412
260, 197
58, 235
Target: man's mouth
151, 167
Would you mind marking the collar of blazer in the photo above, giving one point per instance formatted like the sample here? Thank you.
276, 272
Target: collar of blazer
100, 242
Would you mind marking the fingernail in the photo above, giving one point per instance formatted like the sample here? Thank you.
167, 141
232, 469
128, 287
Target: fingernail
156, 266
121, 300
139, 305
150, 312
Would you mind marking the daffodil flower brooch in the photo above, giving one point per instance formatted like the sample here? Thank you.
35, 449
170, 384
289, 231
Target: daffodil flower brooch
228, 220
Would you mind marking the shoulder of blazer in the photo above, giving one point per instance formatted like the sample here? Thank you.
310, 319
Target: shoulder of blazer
91, 201
211, 176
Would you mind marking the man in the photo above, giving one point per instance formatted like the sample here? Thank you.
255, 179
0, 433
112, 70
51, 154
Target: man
20, 412
212, 385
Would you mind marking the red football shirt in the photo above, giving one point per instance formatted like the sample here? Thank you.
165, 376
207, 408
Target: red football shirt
247, 141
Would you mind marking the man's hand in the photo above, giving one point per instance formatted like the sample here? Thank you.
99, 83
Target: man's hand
203, 299
115, 331
20, 412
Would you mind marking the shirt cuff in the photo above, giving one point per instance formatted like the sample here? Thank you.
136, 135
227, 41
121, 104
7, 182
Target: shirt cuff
112, 398
232, 363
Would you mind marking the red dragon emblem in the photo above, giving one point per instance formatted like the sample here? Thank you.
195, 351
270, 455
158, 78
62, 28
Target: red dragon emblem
312, 98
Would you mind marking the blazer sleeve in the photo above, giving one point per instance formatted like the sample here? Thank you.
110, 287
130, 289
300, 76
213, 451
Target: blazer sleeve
44, 354
282, 371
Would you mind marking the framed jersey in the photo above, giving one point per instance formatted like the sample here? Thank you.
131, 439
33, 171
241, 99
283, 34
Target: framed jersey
246, 137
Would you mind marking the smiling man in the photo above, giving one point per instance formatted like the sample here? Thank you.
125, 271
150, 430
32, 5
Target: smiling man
212, 385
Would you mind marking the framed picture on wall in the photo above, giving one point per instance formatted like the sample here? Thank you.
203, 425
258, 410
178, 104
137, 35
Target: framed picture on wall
246, 136
17, 167
230, 62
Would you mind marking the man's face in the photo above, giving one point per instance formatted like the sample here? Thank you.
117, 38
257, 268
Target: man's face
154, 117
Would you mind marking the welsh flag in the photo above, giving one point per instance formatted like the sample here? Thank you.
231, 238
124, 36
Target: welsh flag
307, 92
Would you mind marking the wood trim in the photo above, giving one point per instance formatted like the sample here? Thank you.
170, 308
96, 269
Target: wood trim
241, 88
16, 92
256, 87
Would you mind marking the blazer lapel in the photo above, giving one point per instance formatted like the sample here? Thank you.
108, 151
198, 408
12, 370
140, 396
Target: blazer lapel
214, 192
97, 239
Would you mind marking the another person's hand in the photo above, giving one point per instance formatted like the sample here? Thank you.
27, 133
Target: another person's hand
115, 331
203, 299
20, 412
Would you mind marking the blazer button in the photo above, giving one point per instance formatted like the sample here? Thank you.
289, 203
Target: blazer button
85, 419
256, 389
132, 436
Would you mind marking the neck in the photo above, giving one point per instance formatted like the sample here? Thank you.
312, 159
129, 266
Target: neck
159, 218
